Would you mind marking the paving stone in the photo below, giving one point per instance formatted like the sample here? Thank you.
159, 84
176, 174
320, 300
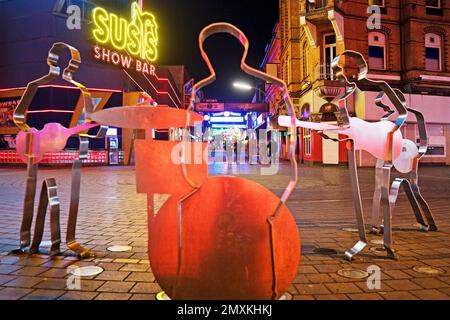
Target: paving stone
43, 294
23, 282
141, 277
402, 285
343, 288
78, 295
430, 294
146, 287
13, 293
430, 283
90, 285
30, 271
142, 296
112, 275
307, 289
116, 286
398, 295
113, 296
6, 278
6, 268
52, 283
319, 278
135, 267
365, 296
331, 297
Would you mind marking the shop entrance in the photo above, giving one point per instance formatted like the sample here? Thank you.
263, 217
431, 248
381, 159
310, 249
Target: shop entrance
330, 148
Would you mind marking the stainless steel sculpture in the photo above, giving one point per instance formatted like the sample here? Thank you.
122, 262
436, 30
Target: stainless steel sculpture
31, 146
383, 140
406, 163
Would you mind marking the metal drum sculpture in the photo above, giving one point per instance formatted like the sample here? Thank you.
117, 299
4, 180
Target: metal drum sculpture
384, 141
210, 232
32, 144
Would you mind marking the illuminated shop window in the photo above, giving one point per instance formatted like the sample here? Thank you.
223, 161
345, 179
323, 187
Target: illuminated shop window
377, 51
433, 52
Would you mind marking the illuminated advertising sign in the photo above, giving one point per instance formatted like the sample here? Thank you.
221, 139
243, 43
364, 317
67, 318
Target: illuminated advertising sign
236, 107
134, 42
7, 107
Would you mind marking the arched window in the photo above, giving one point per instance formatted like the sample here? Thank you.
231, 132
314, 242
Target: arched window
305, 111
433, 52
377, 51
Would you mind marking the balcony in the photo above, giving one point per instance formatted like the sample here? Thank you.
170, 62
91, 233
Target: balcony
318, 11
325, 84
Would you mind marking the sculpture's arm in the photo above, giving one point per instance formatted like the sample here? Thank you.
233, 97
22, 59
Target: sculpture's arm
423, 135
397, 101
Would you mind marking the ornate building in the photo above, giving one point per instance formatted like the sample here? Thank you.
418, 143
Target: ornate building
409, 48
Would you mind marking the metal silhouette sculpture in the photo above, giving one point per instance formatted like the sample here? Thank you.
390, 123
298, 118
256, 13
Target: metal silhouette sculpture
407, 163
210, 232
32, 144
385, 142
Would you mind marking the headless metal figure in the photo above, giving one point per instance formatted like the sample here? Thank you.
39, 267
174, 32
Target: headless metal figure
386, 167
53, 134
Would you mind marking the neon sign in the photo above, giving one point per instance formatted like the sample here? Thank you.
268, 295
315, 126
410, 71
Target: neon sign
139, 37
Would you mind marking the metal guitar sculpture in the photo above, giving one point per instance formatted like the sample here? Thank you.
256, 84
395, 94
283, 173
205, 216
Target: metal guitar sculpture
210, 232
385, 142
32, 144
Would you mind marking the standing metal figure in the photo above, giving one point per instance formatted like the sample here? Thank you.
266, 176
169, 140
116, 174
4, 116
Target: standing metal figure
384, 141
33, 144
407, 163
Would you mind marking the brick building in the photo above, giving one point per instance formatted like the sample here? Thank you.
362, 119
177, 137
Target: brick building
409, 49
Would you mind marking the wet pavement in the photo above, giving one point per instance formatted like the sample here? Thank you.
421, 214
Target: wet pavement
112, 213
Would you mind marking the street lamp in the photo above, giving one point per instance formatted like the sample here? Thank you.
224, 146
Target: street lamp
246, 87
242, 86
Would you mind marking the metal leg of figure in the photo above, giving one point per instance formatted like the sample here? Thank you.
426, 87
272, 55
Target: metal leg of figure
48, 197
395, 189
423, 204
375, 228
28, 205
362, 243
387, 216
75, 201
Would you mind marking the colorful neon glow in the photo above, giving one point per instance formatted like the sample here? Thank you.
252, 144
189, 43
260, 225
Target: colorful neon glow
138, 38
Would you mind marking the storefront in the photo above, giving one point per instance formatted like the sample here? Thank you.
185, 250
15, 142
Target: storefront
116, 71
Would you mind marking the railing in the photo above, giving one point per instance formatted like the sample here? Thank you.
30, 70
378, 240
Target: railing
317, 4
323, 72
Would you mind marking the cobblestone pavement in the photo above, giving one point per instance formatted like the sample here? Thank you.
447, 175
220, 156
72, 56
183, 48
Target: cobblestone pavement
111, 213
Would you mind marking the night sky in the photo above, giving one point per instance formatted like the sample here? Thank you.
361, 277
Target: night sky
180, 22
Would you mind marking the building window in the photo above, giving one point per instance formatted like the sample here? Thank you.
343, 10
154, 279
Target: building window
380, 3
305, 61
436, 140
377, 51
307, 141
316, 4
435, 4
433, 52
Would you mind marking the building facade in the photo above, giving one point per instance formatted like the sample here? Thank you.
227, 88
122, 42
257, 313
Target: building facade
408, 46
114, 77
